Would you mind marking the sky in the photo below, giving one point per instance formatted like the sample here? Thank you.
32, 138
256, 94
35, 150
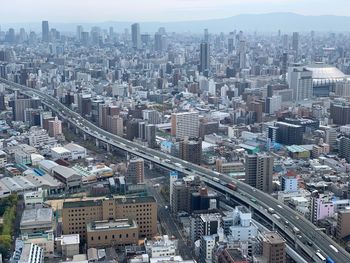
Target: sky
12, 11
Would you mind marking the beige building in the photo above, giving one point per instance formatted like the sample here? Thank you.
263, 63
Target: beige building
76, 215
67, 245
106, 233
274, 247
343, 225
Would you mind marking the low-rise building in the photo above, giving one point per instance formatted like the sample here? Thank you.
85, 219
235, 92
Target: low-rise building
44, 240
106, 233
36, 220
161, 247
67, 245
77, 151
70, 178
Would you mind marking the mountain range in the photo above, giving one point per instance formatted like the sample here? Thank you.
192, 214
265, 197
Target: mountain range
270, 22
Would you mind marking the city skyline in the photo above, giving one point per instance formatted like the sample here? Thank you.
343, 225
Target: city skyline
155, 10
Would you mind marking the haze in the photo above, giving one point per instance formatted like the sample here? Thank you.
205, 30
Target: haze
158, 10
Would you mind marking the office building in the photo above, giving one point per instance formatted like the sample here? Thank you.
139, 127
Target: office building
340, 112
204, 63
289, 182
45, 31
242, 54
344, 148
55, 127
191, 150
300, 81
274, 247
136, 36
286, 133
185, 124
115, 125
151, 116
295, 42
343, 226
115, 233
20, 105
204, 225
222, 166
259, 171
31, 253
76, 215
181, 193
150, 135
135, 172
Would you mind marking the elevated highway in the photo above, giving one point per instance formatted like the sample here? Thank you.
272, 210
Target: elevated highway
246, 194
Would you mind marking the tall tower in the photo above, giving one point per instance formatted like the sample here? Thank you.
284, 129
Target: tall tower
206, 35
45, 31
258, 169
136, 36
204, 57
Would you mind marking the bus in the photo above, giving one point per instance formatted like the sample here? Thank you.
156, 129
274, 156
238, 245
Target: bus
320, 256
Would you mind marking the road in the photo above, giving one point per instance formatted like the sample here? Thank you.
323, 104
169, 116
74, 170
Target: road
173, 163
167, 221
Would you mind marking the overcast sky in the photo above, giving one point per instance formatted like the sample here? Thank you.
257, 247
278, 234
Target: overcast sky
157, 10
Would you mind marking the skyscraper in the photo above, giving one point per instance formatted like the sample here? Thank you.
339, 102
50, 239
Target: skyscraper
204, 57
206, 35
136, 36
191, 150
258, 171
295, 41
45, 31
135, 172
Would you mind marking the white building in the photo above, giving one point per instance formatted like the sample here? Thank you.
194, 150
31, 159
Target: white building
77, 151
39, 137
31, 254
61, 153
33, 199
162, 247
242, 228
185, 124
300, 81
68, 245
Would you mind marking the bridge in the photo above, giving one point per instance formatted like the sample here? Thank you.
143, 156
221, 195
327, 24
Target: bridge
257, 200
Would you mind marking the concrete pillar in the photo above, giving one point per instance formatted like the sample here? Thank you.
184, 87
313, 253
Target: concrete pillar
76, 131
151, 166
97, 143
127, 156
85, 136
108, 147
68, 125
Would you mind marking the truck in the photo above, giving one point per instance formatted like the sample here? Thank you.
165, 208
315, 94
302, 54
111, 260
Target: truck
232, 186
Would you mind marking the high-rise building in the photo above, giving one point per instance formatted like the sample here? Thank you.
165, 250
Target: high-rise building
206, 35
20, 105
340, 112
191, 150
259, 171
150, 135
204, 58
151, 116
343, 226
300, 81
115, 125
45, 31
185, 124
295, 41
242, 54
344, 148
173, 177
55, 127
274, 247
136, 36
79, 32
135, 173
286, 133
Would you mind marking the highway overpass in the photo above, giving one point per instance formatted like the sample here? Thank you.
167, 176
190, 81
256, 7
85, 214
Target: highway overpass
247, 195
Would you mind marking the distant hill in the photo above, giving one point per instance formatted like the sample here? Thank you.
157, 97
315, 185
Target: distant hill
286, 22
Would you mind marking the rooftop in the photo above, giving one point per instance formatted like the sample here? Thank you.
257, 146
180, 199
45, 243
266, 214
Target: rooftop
80, 204
106, 225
